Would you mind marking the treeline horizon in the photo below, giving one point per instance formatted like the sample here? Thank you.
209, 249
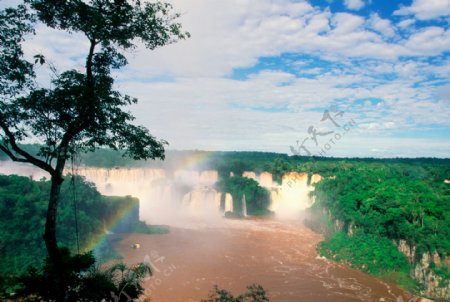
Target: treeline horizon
109, 158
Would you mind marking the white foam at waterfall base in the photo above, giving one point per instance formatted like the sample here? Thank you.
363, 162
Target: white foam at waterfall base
182, 198
292, 197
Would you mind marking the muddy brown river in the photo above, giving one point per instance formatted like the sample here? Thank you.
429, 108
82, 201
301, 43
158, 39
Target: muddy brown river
280, 256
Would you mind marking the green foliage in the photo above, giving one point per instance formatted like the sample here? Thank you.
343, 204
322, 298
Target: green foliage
22, 217
15, 73
384, 203
22, 212
370, 253
257, 198
386, 200
81, 111
255, 293
83, 281
278, 168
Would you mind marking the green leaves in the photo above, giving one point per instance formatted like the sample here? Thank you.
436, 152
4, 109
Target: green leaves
117, 23
16, 74
370, 253
385, 203
82, 111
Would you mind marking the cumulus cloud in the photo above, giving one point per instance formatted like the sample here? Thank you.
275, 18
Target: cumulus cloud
426, 9
389, 76
383, 26
354, 4
406, 23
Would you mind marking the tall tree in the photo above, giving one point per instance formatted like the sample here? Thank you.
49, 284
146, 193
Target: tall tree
82, 111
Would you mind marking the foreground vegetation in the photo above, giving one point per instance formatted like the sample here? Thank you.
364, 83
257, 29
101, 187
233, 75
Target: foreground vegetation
255, 293
85, 216
79, 110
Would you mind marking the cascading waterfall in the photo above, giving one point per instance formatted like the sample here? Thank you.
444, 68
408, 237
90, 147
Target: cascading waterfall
167, 196
244, 206
228, 203
292, 196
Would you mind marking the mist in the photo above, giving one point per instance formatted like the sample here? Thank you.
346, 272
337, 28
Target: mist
185, 198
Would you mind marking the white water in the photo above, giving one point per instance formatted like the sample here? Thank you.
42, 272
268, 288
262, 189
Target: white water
244, 206
292, 196
183, 196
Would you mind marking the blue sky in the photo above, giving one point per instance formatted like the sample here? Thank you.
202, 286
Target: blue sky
257, 74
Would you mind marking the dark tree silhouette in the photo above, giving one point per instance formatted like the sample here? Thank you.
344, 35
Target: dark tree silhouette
82, 111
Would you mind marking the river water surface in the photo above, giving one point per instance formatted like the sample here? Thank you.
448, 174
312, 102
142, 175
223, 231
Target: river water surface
278, 255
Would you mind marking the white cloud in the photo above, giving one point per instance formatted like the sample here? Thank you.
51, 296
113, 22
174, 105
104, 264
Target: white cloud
426, 9
188, 97
238, 33
406, 23
381, 25
429, 41
201, 112
354, 4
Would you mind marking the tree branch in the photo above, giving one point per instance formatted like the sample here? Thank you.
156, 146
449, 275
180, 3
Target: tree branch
11, 155
89, 75
27, 157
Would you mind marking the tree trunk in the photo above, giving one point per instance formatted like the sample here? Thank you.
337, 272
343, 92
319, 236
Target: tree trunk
50, 237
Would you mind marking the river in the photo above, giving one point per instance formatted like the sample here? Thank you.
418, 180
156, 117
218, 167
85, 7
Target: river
280, 256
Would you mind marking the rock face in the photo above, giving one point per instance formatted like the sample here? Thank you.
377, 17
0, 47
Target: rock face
434, 286
407, 250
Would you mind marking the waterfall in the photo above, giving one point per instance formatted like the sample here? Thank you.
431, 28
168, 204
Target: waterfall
165, 195
291, 196
228, 203
244, 206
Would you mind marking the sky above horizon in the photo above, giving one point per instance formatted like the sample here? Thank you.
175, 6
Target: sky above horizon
367, 78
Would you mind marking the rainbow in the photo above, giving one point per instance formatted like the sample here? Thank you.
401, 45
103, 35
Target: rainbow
195, 160
101, 235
